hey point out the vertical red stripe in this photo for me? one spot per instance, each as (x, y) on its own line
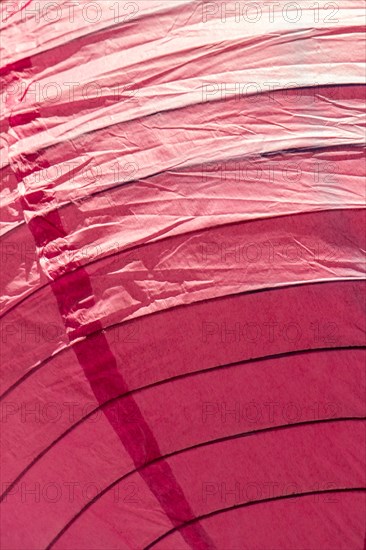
(100, 367)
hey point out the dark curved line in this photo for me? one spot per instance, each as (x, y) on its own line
(235, 158)
(19, 302)
(190, 448)
(161, 383)
(216, 100)
(71, 344)
(252, 503)
(20, 224)
(203, 230)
